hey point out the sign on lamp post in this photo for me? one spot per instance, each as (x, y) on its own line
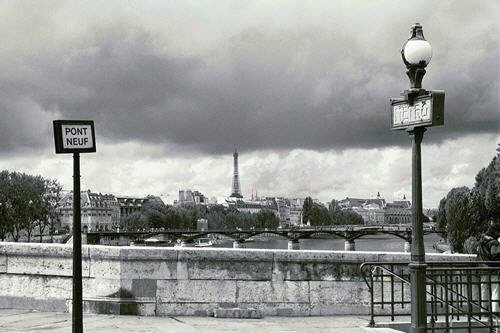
(75, 136)
(426, 110)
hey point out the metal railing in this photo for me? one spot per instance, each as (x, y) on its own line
(461, 296)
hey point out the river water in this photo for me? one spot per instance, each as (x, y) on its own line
(379, 242)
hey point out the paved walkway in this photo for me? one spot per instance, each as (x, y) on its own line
(32, 321)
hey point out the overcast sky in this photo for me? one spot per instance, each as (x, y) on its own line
(300, 88)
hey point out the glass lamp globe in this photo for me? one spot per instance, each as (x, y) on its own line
(417, 51)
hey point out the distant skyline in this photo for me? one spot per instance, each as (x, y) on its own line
(301, 89)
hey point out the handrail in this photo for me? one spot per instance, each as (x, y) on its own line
(469, 272)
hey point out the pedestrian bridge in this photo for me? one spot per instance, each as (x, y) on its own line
(240, 236)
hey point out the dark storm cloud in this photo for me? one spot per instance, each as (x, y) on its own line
(316, 87)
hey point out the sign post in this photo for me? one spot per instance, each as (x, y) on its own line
(75, 136)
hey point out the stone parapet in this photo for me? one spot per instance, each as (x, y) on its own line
(191, 281)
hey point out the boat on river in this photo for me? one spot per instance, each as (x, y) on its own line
(203, 242)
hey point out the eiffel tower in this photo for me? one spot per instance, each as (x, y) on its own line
(498, 164)
(236, 188)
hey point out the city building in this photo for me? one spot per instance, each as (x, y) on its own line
(296, 215)
(130, 205)
(99, 212)
(350, 203)
(398, 212)
(372, 213)
(109, 200)
(297, 202)
(253, 206)
(188, 197)
(378, 212)
(283, 207)
(289, 211)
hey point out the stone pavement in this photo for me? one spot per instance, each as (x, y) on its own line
(32, 321)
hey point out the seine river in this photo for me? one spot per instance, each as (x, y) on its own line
(381, 242)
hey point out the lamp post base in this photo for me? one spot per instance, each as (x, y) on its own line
(418, 298)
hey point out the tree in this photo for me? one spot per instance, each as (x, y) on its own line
(319, 215)
(135, 221)
(172, 218)
(441, 215)
(26, 202)
(457, 216)
(307, 209)
(267, 219)
(492, 201)
(231, 219)
(487, 186)
(339, 216)
(215, 217)
(6, 221)
(334, 211)
(154, 213)
(477, 213)
(22, 196)
(350, 217)
(46, 205)
(470, 245)
(466, 213)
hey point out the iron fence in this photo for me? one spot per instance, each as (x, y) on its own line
(461, 296)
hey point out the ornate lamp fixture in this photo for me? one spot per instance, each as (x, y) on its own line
(416, 54)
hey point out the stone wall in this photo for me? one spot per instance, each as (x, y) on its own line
(191, 281)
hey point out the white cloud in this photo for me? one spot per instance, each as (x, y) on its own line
(134, 168)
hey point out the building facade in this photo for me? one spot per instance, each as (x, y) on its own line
(99, 212)
(131, 205)
(295, 215)
(398, 212)
(283, 207)
(378, 212)
(371, 210)
(372, 214)
(188, 197)
(252, 207)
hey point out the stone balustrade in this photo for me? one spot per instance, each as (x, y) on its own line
(191, 281)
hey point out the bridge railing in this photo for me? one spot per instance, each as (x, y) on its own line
(460, 295)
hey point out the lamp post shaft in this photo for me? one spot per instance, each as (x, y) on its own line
(417, 263)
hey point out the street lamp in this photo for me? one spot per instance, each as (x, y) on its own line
(416, 54)
(416, 111)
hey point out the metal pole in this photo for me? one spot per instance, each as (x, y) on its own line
(77, 249)
(417, 263)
